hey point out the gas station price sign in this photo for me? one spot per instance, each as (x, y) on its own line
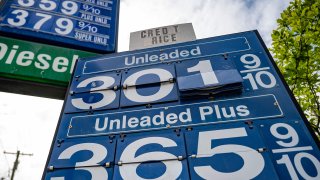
(215, 107)
(86, 24)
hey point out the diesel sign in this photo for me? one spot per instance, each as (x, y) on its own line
(29, 62)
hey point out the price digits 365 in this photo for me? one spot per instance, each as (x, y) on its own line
(253, 161)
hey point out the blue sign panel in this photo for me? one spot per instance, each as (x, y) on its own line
(214, 107)
(175, 116)
(293, 154)
(95, 82)
(233, 151)
(168, 54)
(149, 85)
(139, 156)
(86, 158)
(100, 91)
(217, 75)
(86, 24)
(84, 173)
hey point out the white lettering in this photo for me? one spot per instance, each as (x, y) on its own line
(3, 50)
(12, 54)
(185, 116)
(43, 61)
(242, 110)
(176, 54)
(60, 64)
(105, 124)
(204, 111)
(25, 58)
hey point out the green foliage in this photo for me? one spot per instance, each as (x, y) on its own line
(296, 48)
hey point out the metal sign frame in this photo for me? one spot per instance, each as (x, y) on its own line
(143, 150)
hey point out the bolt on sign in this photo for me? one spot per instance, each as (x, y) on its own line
(215, 107)
(89, 25)
(36, 63)
(162, 36)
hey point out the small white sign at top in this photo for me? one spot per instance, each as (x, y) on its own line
(161, 36)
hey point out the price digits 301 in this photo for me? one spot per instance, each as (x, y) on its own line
(204, 67)
(63, 25)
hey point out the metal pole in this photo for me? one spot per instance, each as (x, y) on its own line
(16, 162)
(15, 165)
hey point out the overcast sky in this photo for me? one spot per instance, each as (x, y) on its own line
(28, 123)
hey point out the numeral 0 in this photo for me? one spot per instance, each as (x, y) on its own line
(163, 91)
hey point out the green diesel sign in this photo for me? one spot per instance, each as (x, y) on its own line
(36, 62)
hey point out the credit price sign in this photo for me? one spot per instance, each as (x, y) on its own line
(85, 24)
(214, 107)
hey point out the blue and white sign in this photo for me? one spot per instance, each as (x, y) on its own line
(175, 116)
(151, 84)
(86, 158)
(214, 107)
(217, 75)
(86, 24)
(138, 156)
(233, 151)
(292, 151)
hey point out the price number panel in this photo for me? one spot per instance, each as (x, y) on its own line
(84, 158)
(94, 92)
(82, 21)
(151, 84)
(293, 154)
(208, 76)
(158, 155)
(228, 152)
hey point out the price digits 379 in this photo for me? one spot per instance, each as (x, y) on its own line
(63, 25)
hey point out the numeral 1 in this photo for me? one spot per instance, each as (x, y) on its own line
(207, 74)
